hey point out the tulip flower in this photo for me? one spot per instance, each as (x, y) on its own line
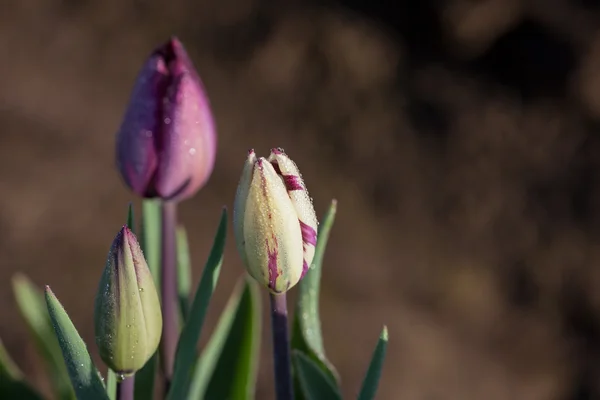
(127, 315)
(274, 220)
(166, 144)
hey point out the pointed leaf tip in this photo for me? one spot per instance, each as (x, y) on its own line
(32, 306)
(371, 381)
(85, 378)
(384, 334)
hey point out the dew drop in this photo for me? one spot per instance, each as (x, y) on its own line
(167, 120)
(192, 151)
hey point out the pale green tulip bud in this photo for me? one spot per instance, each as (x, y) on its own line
(274, 220)
(127, 315)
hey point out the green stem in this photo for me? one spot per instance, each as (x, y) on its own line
(170, 312)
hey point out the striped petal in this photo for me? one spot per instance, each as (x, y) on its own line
(239, 205)
(290, 176)
(272, 235)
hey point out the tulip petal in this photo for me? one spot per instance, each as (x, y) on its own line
(187, 144)
(239, 205)
(128, 320)
(273, 239)
(136, 154)
(290, 175)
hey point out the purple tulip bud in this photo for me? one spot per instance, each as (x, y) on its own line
(167, 142)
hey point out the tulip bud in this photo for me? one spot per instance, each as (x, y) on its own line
(166, 144)
(127, 315)
(274, 221)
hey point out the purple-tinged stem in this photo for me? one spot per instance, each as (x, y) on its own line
(170, 313)
(281, 347)
(125, 387)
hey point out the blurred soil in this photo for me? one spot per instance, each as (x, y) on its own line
(459, 137)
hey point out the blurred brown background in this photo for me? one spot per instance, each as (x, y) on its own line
(460, 138)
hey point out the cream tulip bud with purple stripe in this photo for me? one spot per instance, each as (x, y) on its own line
(274, 221)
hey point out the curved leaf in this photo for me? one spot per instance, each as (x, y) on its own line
(306, 331)
(315, 384)
(8, 368)
(33, 308)
(85, 378)
(227, 368)
(186, 348)
(12, 385)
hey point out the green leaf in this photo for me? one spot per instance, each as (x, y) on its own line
(150, 235)
(371, 382)
(186, 348)
(8, 368)
(111, 384)
(32, 306)
(131, 218)
(306, 330)
(315, 384)
(184, 272)
(144, 379)
(227, 368)
(16, 389)
(85, 378)
(12, 385)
